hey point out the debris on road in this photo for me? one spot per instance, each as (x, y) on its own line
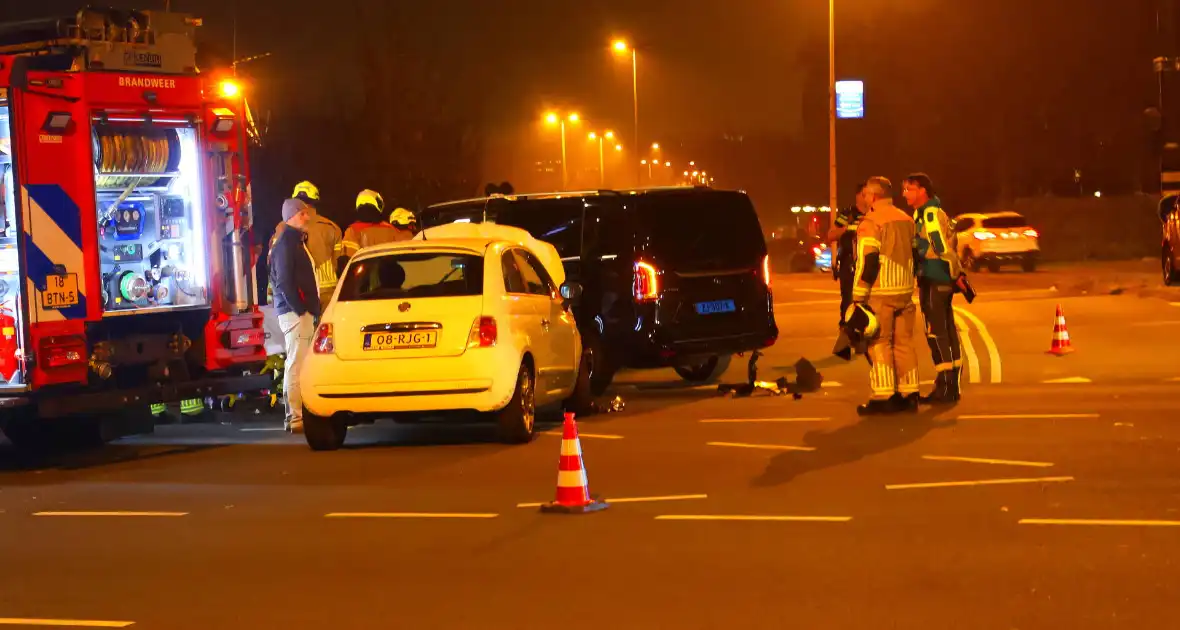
(807, 380)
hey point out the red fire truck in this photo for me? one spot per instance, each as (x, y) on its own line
(125, 226)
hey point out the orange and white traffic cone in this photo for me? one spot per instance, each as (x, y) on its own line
(1061, 345)
(573, 490)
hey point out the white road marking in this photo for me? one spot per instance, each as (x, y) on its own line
(1174, 303)
(993, 351)
(65, 623)
(831, 384)
(1170, 322)
(978, 482)
(408, 515)
(678, 497)
(1015, 292)
(740, 420)
(173, 514)
(823, 291)
(981, 460)
(768, 447)
(260, 429)
(752, 517)
(807, 303)
(1072, 380)
(598, 436)
(1093, 521)
(1029, 416)
(969, 350)
(1174, 379)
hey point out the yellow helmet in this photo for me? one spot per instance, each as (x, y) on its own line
(402, 217)
(370, 197)
(308, 191)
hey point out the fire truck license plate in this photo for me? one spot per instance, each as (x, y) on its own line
(61, 291)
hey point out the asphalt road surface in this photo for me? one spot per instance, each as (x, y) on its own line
(1049, 498)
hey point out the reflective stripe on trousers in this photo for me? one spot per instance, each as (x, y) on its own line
(941, 333)
(893, 352)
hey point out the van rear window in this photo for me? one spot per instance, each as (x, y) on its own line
(413, 275)
(701, 231)
(1002, 223)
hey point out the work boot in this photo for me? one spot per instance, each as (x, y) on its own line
(953, 384)
(907, 403)
(876, 408)
(941, 394)
(945, 391)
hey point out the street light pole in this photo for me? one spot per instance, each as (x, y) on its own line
(621, 47)
(832, 108)
(635, 98)
(564, 172)
(601, 165)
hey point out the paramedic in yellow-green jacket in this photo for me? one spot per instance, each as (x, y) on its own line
(938, 268)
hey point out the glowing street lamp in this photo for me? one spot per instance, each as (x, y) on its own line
(553, 119)
(595, 136)
(621, 47)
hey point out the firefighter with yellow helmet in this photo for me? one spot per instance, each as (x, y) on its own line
(370, 227)
(883, 301)
(324, 240)
(405, 223)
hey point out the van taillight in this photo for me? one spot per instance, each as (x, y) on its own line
(60, 352)
(766, 269)
(324, 342)
(646, 286)
(483, 333)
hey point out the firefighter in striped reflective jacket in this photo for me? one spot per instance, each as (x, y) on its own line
(885, 282)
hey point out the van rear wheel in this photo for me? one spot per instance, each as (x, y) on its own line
(1169, 268)
(602, 370)
(707, 371)
(581, 400)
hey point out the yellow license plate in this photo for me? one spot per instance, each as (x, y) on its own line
(401, 340)
(61, 291)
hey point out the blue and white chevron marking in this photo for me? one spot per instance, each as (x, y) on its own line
(53, 236)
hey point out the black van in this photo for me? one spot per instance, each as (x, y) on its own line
(673, 277)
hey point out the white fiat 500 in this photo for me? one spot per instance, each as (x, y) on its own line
(463, 326)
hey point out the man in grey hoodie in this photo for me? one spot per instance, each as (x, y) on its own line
(296, 301)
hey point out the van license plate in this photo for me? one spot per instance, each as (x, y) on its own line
(716, 306)
(401, 340)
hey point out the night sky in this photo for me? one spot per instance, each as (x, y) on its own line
(995, 98)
